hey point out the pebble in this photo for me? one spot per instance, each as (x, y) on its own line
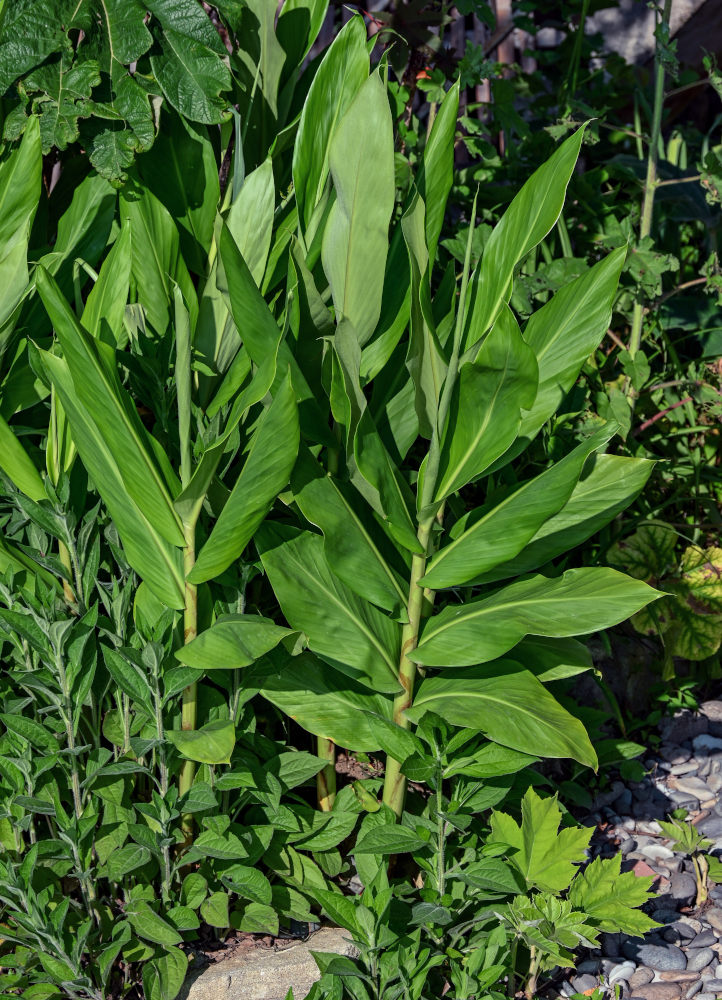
(706, 996)
(694, 988)
(641, 977)
(585, 982)
(694, 786)
(621, 973)
(714, 985)
(714, 919)
(714, 782)
(663, 958)
(699, 958)
(679, 976)
(687, 768)
(711, 827)
(657, 991)
(657, 852)
(703, 940)
(589, 965)
(712, 710)
(683, 887)
(706, 744)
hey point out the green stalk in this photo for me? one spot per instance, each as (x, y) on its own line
(650, 184)
(394, 781)
(326, 778)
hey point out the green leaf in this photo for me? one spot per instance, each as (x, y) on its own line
(67, 89)
(248, 883)
(552, 659)
(148, 925)
(193, 890)
(233, 641)
(127, 860)
(257, 918)
(157, 260)
(352, 551)
(610, 897)
(563, 334)
(129, 677)
(189, 64)
(581, 601)
(18, 466)
(525, 223)
(344, 68)
(34, 732)
(497, 532)
(104, 310)
(357, 638)
(214, 910)
(543, 854)
(323, 701)
(605, 489)
(486, 405)
(92, 368)
(211, 744)
(437, 168)
(356, 241)
(391, 839)
(250, 218)
(489, 875)
(509, 706)
(266, 471)
(163, 977)
(157, 562)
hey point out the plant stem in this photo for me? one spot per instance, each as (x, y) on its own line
(534, 963)
(441, 836)
(394, 780)
(190, 694)
(68, 591)
(700, 870)
(326, 778)
(650, 184)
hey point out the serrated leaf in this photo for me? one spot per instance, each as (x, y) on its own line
(610, 897)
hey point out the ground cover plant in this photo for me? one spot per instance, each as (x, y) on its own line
(275, 506)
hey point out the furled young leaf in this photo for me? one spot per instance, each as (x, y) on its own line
(543, 854)
(343, 69)
(437, 167)
(604, 491)
(354, 635)
(525, 223)
(610, 898)
(323, 700)
(233, 641)
(581, 601)
(157, 260)
(498, 532)
(157, 562)
(211, 744)
(356, 241)
(92, 367)
(508, 705)
(486, 405)
(265, 472)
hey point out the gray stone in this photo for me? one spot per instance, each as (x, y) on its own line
(693, 990)
(711, 827)
(663, 958)
(611, 945)
(699, 958)
(703, 940)
(621, 973)
(689, 767)
(683, 726)
(707, 744)
(627, 846)
(714, 782)
(684, 930)
(657, 852)
(714, 919)
(640, 977)
(683, 887)
(589, 965)
(712, 710)
(715, 985)
(694, 786)
(585, 982)
(263, 974)
(706, 996)
(657, 991)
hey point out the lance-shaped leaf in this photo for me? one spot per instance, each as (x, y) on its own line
(605, 490)
(581, 601)
(437, 167)
(552, 659)
(323, 700)
(509, 706)
(250, 218)
(211, 744)
(562, 334)
(233, 641)
(20, 186)
(525, 223)
(105, 306)
(486, 406)
(92, 367)
(354, 635)
(154, 559)
(266, 470)
(17, 464)
(499, 531)
(343, 69)
(356, 239)
(424, 358)
(352, 551)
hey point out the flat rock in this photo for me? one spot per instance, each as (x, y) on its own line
(640, 977)
(657, 991)
(707, 744)
(703, 940)
(712, 710)
(692, 786)
(585, 982)
(699, 958)
(621, 972)
(713, 986)
(683, 887)
(263, 974)
(714, 919)
(663, 958)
